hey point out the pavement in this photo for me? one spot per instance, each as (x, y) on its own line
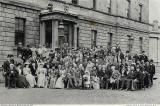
(61, 96)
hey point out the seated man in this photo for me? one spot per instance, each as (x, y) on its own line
(107, 77)
(115, 77)
(138, 78)
(13, 75)
(130, 77)
(123, 77)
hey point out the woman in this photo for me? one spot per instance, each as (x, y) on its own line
(95, 81)
(30, 78)
(53, 78)
(41, 72)
(21, 81)
(60, 83)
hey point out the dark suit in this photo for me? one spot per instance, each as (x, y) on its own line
(6, 68)
(136, 57)
(12, 79)
(144, 57)
(152, 72)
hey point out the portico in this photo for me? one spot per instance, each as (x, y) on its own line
(57, 29)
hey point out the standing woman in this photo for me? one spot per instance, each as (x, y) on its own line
(41, 72)
(30, 78)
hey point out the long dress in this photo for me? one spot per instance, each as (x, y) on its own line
(53, 79)
(60, 83)
(41, 77)
(96, 82)
(22, 81)
(30, 78)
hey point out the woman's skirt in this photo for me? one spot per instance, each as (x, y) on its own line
(31, 79)
(22, 82)
(59, 83)
(52, 83)
(41, 81)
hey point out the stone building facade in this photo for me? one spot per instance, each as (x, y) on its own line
(9, 11)
(154, 42)
(84, 22)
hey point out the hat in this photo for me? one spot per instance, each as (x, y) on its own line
(11, 64)
(41, 63)
(26, 63)
(86, 72)
(151, 60)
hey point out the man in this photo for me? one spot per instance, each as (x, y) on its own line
(115, 77)
(27, 53)
(136, 57)
(143, 57)
(130, 77)
(13, 75)
(107, 76)
(128, 56)
(151, 71)
(6, 69)
(138, 79)
(18, 60)
(117, 50)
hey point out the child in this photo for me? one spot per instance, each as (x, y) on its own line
(86, 78)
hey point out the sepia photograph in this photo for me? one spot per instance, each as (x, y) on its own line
(79, 52)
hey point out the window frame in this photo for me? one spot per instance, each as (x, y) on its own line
(128, 10)
(78, 37)
(110, 38)
(94, 38)
(94, 4)
(140, 12)
(130, 43)
(20, 34)
(77, 2)
(141, 44)
(109, 6)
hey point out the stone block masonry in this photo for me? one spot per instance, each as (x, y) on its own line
(8, 13)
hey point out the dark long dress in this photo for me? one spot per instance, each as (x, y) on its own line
(21, 81)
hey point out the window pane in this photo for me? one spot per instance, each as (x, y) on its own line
(108, 3)
(19, 31)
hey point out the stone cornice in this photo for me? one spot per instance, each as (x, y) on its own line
(21, 4)
(76, 5)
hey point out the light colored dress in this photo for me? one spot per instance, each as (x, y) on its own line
(87, 80)
(95, 83)
(59, 82)
(41, 77)
(29, 77)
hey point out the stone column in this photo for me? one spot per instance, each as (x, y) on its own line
(54, 34)
(75, 36)
(42, 33)
(70, 36)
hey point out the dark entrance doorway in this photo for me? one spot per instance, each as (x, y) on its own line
(48, 35)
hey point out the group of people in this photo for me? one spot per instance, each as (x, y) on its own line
(81, 68)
